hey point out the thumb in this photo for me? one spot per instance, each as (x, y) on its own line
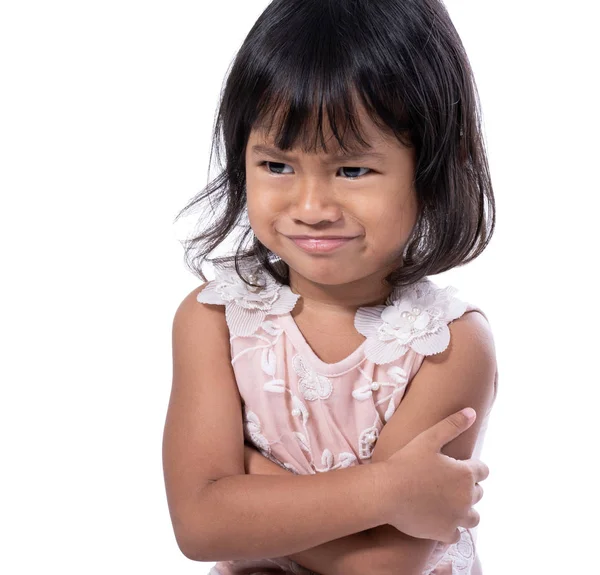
(451, 427)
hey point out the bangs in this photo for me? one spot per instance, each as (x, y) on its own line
(316, 69)
(302, 119)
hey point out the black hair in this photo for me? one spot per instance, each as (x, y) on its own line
(404, 61)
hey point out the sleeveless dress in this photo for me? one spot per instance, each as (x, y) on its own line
(309, 416)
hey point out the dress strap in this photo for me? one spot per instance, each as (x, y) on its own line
(247, 306)
(415, 317)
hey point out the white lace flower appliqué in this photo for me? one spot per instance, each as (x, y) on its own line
(366, 442)
(253, 431)
(417, 319)
(246, 306)
(311, 385)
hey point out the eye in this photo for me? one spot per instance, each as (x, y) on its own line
(275, 165)
(354, 176)
(350, 172)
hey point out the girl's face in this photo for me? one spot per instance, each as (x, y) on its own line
(369, 197)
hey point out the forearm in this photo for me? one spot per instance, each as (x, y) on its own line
(257, 516)
(343, 556)
(398, 552)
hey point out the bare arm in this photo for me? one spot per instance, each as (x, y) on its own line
(220, 513)
(257, 516)
(349, 555)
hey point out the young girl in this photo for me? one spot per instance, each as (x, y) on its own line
(354, 149)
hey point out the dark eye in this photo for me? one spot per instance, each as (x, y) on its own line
(274, 167)
(351, 172)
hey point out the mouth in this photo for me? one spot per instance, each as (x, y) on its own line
(321, 245)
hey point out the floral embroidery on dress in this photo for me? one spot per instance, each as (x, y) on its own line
(415, 318)
(312, 385)
(399, 381)
(366, 442)
(462, 553)
(253, 433)
(369, 436)
(253, 429)
(345, 458)
(460, 556)
(246, 306)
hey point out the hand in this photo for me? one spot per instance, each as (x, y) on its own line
(434, 493)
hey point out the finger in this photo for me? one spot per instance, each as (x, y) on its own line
(471, 520)
(451, 427)
(477, 494)
(482, 471)
(478, 468)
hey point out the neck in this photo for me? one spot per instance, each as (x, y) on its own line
(341, 298)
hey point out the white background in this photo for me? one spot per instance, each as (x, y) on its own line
(106, 110)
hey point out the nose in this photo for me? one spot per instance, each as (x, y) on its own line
(314, 202)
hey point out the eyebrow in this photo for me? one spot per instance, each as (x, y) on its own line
(277, 153)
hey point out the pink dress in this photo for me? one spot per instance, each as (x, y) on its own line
(312, 417)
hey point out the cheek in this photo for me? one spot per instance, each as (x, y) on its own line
(264, 201)
(254, 213)
(263, 208)
(260, 206)
(253, 198)
(395, 220)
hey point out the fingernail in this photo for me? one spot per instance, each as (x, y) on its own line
(469, 413)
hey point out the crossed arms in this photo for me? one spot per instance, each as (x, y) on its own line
(461, 376)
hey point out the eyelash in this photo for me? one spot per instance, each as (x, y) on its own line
(282, 164)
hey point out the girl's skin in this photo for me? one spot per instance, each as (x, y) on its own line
(340, 551)
(373, 198)
(297, 193)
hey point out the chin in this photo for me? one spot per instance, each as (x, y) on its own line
(325, 272)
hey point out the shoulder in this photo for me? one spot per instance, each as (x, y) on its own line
(470, 358)
(195, 321)
(471, 339)
(469, 350)
(190, 303)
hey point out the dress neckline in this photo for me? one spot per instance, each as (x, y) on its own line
(414, 317)
(297, 338)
